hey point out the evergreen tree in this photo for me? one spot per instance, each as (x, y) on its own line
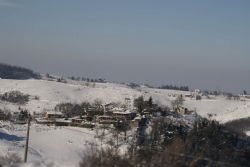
(139, 104)
(150, 102)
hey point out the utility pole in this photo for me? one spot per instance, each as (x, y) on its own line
(125, 135)
(117, 136)
(117, 133)
(27, 139)
(125, 129)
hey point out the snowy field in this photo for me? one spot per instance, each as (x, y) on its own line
(55, 146)
(65, 146)
(220, 108)
(51, 93)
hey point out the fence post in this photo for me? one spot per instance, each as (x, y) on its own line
(27, 140)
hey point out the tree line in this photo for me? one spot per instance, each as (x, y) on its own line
(15, 72)
(86, 79)
(174, 87)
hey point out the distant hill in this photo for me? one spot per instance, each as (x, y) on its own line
(15, 72)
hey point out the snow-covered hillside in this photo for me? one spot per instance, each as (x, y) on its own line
(62, 147)
(65, 146)
(51, 93)
(220, 108)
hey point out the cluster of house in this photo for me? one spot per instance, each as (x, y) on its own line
(112, 115)
(87, 121)
(191, 95)
(197, 93)
(244, 97)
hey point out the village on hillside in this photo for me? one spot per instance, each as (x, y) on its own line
(73, 115)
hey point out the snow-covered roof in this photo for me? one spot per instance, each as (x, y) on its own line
(117, 109)
(104, 116)
(62, 120)
(137, 118)
(54, 113)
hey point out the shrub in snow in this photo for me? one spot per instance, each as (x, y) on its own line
(5, 114)
(15, 97)
(198, 97)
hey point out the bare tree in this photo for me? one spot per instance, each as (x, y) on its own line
(177, 102)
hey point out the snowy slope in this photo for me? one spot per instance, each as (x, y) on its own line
(52, 93)
(222, 110)
(65, 146)
(62, 147)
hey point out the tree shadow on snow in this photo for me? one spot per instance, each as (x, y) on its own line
(4, 136)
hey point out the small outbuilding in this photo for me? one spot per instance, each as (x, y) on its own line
(53, 115)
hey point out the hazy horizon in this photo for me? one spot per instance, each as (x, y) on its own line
(204, 45)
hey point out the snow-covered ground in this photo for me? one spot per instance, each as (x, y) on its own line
(221, 109)
(65, 146)
(51, 93)
(58, 146)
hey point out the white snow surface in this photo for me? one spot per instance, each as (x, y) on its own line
(51, 93)
(65, 146)
(55, 146)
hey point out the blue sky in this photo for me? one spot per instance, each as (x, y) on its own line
(201, 43)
